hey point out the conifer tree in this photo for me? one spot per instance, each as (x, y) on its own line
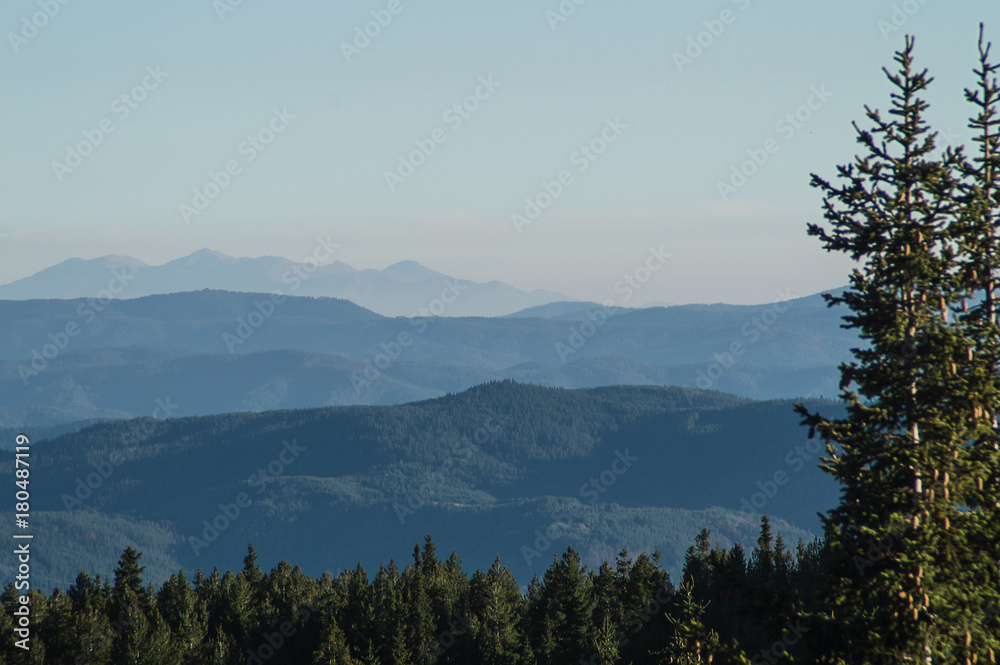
(646, 594)
(333, 649)
(979, 240)
(496, 606)
(185, 616)
(606, 643)
(358, 618)
(691, 641)
(386, 602)
(235, 610)
(569, 602)
(764, 558)
(539, 626)
(697, 571)
(608, 587)
(420, 637)
(128, 576)
(899, 539)
(251, 571)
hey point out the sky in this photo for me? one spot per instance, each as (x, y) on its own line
(542, 143)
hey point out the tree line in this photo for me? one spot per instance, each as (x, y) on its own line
(431, 611)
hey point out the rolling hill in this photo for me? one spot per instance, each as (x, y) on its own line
(500, 469)
(69, 360)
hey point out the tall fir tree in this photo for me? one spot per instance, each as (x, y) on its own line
(497, 609)
(186, 617)
(899, 541)
(691, 641)
(387, 605)
(979, 240)
(358, 618)
(570, 601)
(418, 619)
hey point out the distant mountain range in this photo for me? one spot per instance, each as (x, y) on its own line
(488, 472)
(402, 289)
(215, 351)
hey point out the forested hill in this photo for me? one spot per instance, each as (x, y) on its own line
(487, 471)
(212, 352)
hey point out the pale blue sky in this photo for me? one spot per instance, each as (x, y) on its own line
(324, 173)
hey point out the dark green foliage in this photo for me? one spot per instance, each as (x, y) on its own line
(913, 547)
(431, 612)
(482, 470)
(565, 633)
(497, 612)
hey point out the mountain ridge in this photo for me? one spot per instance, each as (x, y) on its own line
(69, 360)
(397, 290)
(483, 469)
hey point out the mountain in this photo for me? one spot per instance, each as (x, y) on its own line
(402, 289)
(575, 310)
(800, 332)
(130, 382)
(73, 278)
(69, 360)
(489, 471)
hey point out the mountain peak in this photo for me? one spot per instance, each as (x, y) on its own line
(115, 261)
(413, 270)
(206, 256)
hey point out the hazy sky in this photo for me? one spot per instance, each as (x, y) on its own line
(200, 78)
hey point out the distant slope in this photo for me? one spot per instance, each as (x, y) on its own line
(138, 381)
(804, 333)
(574, 310)
(402, 289)
(485, 471)
(69, 360)
(133, 381)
